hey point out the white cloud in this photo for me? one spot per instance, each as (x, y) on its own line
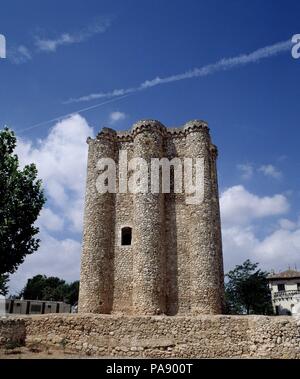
(223, 64)
(239, 243)
(282, 246)
(20, 54)
(50, 221)
(286, 224)
(241, 207)
(271, 171)
(51, 45)
(116, 116)
(55, 257)
(277, 250)
(246, 170)
(243, 239)
(61, 162)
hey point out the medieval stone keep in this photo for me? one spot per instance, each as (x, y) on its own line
(152, 253)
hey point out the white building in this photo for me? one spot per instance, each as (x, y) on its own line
(285, 290)
(2, 305)
(36, 307)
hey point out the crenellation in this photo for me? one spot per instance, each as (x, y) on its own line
(152, 125)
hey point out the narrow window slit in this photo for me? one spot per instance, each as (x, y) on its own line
(126, 236)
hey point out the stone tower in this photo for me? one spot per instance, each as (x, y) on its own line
(152, 253)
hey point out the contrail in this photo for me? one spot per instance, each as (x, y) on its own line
(221, 65)
(71, 114)
(51, 45)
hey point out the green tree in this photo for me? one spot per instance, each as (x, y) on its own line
(247, 290)
(42, 288)
(34, 288)
(3, 284)
(21, 200)
(73, 293)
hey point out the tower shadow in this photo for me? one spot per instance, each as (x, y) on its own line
(172, 298)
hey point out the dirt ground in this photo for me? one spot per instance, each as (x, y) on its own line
(38, 353)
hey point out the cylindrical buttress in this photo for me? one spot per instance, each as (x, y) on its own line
(96, 279)
(148, 231)
(206, 293)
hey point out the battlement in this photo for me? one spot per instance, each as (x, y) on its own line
(155, 127)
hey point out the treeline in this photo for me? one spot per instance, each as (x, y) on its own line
(246, 290)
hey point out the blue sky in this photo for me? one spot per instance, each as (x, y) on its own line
(57, 51)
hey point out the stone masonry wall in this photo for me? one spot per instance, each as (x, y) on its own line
(162, 336)
(12, 331)
(174, 265)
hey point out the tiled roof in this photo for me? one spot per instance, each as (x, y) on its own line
(288, 274)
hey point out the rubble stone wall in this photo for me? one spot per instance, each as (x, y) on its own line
(12, 332)
(161, 336)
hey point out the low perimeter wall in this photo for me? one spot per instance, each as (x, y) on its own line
(159, 336)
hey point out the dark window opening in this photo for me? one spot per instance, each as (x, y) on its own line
(126, 236)
(281, 287)
(36, 308)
